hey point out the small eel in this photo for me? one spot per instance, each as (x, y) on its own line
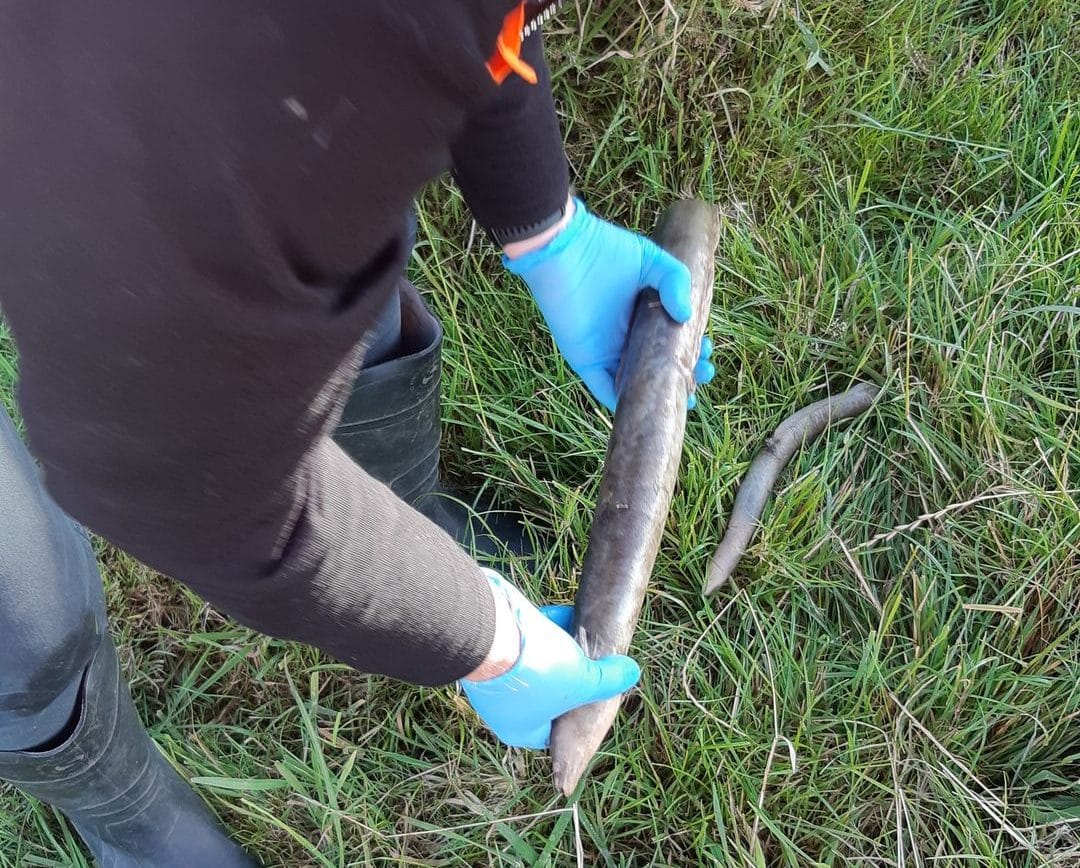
(654, 381)
(801, 427)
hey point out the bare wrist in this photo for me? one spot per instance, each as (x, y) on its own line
(516, 249)
(505, 647)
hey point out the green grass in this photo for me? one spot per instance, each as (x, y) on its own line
(902, 189)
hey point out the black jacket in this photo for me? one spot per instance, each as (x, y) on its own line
(201, 206)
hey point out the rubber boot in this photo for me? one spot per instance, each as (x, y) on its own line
(391, 426)
(114, 786)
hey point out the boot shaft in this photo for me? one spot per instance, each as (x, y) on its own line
(391, 422)
(109, 779)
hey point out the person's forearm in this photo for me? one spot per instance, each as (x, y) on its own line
(509, 160)
(363, 577)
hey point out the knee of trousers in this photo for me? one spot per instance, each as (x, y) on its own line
(52, 612)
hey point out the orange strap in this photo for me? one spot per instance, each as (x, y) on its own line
(507, 56)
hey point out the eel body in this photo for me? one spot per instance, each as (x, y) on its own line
(654, 381)
(799, 429)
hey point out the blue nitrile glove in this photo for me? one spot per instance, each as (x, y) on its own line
(585, 282)
(552, 675)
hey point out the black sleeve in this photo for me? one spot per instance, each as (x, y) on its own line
(509, 161)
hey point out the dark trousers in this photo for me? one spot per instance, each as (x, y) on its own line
(52, 609)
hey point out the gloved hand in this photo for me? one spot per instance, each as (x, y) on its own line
(552, 675)
(585, 282)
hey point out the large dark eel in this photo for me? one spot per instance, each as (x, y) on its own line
(654, 382)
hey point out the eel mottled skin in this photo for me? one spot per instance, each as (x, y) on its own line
(654, 382)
